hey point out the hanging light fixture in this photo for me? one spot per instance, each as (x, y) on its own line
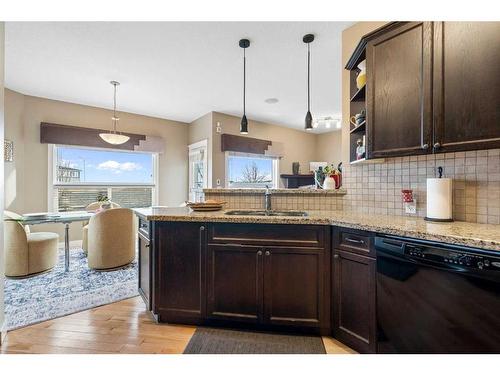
(244, 43)
(114, 137)
(308, 38)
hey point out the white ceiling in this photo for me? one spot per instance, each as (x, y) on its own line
(179, 70)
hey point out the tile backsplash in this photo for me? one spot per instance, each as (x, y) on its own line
(376, 188)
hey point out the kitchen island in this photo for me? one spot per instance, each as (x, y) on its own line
(313, 274)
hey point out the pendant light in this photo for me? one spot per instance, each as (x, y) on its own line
(244, 43)
(113, 137)
(308, 38)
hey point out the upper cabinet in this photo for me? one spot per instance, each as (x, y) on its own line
(398, 69)
(466, 88)
(431, 87)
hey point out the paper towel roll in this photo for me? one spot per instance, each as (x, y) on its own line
(439, 199)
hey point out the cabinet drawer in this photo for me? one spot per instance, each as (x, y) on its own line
(144, 227)
(355, 241)
(267, 234)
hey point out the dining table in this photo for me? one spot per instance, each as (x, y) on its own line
(65, 218)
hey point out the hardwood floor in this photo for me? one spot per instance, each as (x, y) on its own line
(121, 327)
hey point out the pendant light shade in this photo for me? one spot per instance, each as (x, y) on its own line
(114, 137)
(308, 38)
(244, 43)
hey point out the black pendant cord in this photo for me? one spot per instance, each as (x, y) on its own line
(244, 81)
(308, 78)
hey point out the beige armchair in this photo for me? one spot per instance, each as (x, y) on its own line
(27, 253)
(111, 239)
(85, 229)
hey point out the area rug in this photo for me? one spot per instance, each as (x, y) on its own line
(58, 293)
(227, 341)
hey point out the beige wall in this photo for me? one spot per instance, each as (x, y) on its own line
(1, 174)
(329, 147)
(297, 145)
(27, 183)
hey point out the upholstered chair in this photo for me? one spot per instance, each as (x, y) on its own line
(111, 239)
(85, 229)
(27, 253)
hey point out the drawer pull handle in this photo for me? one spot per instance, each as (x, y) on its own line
(354, 241)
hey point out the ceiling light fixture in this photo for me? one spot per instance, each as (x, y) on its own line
(308, 38)
(114, 137)
(244, 43)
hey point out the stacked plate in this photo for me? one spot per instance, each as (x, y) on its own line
(206, 206)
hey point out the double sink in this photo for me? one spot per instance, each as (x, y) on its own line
(266, 213)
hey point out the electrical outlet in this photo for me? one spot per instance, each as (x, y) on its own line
(411, 207)
(218, 127)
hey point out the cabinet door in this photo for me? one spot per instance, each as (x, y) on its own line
(354, 320)
(296, 287)
(466, 86)
(234, 283)
(399, 100)
(145, 273)
(181, 256)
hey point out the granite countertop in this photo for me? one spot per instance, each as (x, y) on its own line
(340, 191)
(485, 236)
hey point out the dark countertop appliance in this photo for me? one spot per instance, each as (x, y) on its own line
(436, 298)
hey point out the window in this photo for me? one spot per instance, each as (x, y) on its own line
(198, 170)
(251, 170)
(81, 176)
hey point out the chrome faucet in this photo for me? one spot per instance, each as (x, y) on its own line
(267, 195)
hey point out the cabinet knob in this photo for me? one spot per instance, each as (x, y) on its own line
(202, 228)
(336, 256)
(437, 145)
(268, 253)
(147, 245)
(425, 146)
(259, 253)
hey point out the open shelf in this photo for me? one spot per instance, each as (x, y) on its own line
(359, 95)
(359, 127)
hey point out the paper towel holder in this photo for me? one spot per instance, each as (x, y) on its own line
(440, 172)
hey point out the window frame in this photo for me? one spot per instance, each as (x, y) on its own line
(53, 184)
(274, 173)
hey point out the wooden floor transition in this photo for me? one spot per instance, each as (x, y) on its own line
(120, 327)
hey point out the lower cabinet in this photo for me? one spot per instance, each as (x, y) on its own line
(354, 299)
(234, 287)
(296, 287)
(273, 286)
(180, 274)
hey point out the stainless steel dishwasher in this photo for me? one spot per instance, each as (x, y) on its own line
(436, 298)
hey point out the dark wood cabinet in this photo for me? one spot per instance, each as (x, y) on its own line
(466, 86)
(431, 87)
(234, 283)
(180, 274)
(296, 287)
(271, 275)
(145, 273)
(399, 83)
(354, 298)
